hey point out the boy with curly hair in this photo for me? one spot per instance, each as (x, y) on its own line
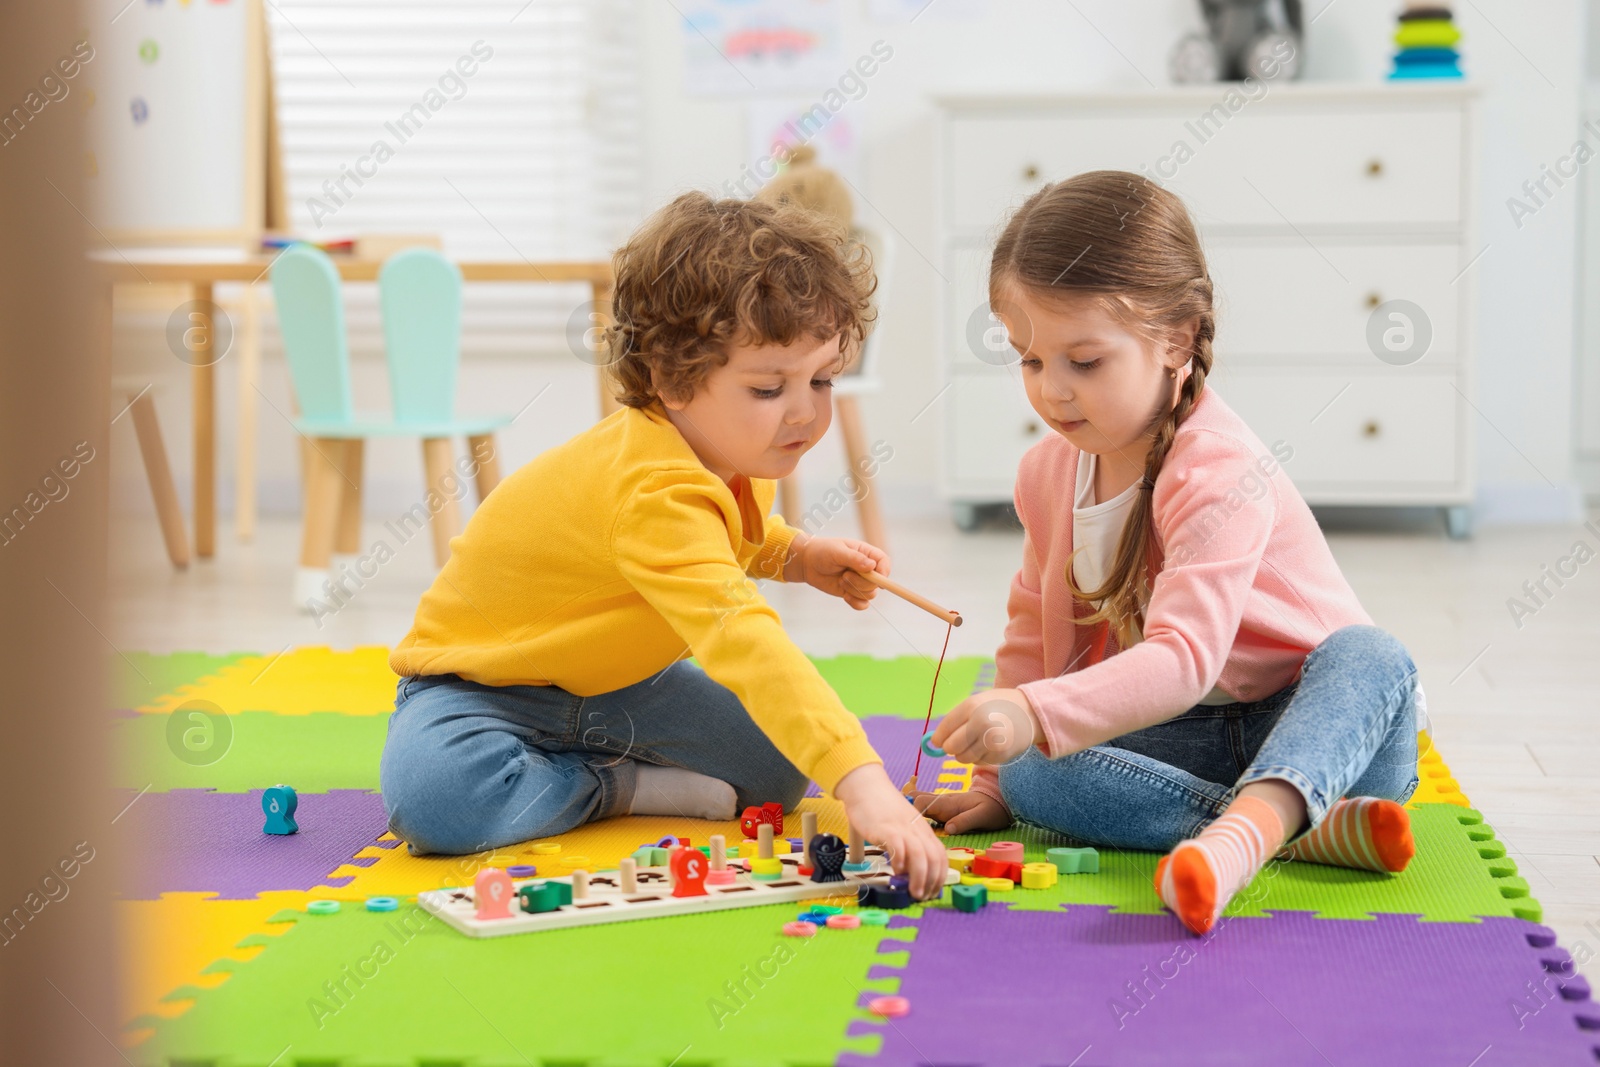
(544, 683)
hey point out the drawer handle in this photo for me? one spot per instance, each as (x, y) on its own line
(1031, 428)
(1030, 172)
(1375, 168)
(1370, 428)
(1373, 300)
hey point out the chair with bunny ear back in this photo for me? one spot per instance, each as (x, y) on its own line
(420, 293)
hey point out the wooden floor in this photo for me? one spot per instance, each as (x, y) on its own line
(1515, 708)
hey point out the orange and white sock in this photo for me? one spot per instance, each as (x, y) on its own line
(1198, 878)
(1364, 832)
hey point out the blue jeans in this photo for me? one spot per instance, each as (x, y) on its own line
(1346, 727)
(468, 767)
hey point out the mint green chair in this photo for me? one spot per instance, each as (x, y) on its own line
(420, 296)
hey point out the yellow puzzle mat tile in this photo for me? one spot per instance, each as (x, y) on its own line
(1436, 785)
(602, 844)
(297, 682)
(954, 777)
(176, 941)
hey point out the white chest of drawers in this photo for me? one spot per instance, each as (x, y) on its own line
(1316, 204)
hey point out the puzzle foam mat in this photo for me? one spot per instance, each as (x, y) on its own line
(224, 966)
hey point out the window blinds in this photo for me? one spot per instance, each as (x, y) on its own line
(510, 129)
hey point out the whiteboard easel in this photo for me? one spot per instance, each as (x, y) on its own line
(180, 122)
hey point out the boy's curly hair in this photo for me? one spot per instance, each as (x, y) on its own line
(701, 275)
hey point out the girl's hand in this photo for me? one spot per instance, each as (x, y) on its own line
(992, 728)
(834, 565)
(964, 813)
(880, 814)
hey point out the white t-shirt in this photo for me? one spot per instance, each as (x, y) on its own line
(1097, 528)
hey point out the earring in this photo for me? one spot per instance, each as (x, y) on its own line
(1172, 372)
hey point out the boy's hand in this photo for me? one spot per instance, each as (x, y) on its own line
(880, 814)
(833, 565)
(964, 813)
(993, 728)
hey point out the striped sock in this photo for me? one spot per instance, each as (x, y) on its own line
(1198, 878)
(1364, 832)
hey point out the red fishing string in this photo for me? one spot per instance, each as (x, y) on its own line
(949, 629)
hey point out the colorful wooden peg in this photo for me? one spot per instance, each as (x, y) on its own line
(493, 891)
(808, 830)
(688, 873)
(770, 814)
(1074, 860)
(278, 803)
(856, 860)
(1038, 875)
(969, 897)
(986, 866)
(883, 897)
(541, 896)
(1005, 851)
(827, 858)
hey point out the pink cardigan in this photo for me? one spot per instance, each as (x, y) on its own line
(1246, 588)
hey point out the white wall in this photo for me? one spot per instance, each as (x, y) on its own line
(1526, 56)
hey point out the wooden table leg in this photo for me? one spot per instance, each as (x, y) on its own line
(204, 379)
(248, 338)
(602, 310)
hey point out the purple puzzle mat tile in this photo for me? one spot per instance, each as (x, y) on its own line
(194, 840)
(1086, 987)
(898, 741)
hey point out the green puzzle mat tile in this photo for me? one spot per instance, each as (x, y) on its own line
(317, 752)
(402, 987)
(138, 678)
(334, 750)
(1459, 874)
(899, 687)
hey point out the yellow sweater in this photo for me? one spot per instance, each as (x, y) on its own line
(605, 560)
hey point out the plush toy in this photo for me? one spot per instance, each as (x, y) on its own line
(1245, 38)
(805, 183)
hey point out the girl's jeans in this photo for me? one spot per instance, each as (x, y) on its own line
(469, 767)
(1346, 727)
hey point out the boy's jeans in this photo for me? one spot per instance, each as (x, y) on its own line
(469, 767)
(1346, 727)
